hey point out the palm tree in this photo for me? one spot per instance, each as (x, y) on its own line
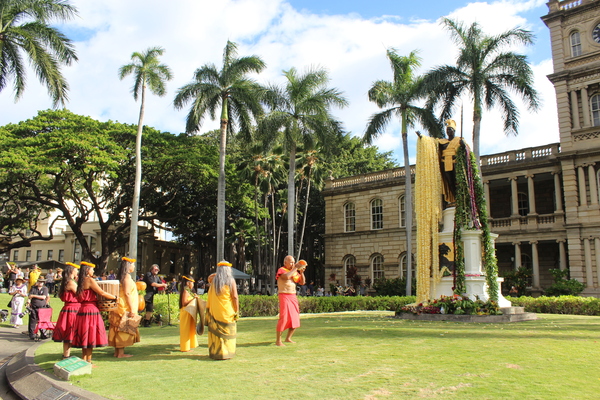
(487, 73)
(300, 115)
(149, 73)
(239, 100)
(401, 96)
(24, 28)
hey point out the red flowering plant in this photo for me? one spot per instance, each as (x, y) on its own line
(455, 304)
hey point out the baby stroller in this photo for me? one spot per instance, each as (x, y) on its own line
(44, 326)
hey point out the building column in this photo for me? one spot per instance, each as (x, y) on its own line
(562, 254)
(557, 193)
(531, 194)
(597, 251)
(535, 262)
(593, 185)
(514, 196)
(575, 110)
(585, 106)
(581, 184)
(486, 192)
(517, 255)
(587, 254)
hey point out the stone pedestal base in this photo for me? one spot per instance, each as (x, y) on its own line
(476, 287)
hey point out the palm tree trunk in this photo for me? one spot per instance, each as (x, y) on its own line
(221, 186)
(291, 200)
(304, 219)
(408, 205)
(476, 129)
(133, 231)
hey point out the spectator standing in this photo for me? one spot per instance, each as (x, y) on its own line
(50, 281)
(38, 298)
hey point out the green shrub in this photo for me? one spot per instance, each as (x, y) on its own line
(392, 287)
(573, 305)
(562, 285)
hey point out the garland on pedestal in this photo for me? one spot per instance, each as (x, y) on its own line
(471, 213)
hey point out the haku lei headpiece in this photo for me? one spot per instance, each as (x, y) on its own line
(88, 264)
(189, 279)
(131, 260)
(73, 265)
(224, 264)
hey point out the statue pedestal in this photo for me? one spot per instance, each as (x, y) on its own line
(474, 278)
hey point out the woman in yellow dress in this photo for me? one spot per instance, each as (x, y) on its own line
(187, 322)
(222, 313)
(127, 303)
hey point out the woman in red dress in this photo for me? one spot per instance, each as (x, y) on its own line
(66, 320)
(89, 330)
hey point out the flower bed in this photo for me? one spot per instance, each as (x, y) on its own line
(455, 304)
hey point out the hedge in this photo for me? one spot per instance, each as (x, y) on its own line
(574, 305)
(264, 306)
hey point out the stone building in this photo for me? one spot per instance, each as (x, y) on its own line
(543, 201)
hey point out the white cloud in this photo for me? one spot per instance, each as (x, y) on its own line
(194, 33)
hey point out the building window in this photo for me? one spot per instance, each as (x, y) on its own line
(523, 203)
(349, 264)
(38, 255)
(575, 44)
(28, 255)
(349, 217)
(377, 268)
(92, 244)
(61, 255)
(403, 261)
(77, 253)
(50, 254)
(16, 255)
(595, 105)
(402, 211)
(377, 214)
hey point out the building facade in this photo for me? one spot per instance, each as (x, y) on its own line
(543, 201)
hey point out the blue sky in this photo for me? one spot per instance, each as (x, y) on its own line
(347, 38)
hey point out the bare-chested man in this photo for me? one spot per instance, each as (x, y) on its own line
(289, 312)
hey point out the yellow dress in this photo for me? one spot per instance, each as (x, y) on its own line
(187, 331)
(117, 338)
(222, 328)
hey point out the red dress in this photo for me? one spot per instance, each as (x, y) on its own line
(89, 330)
(66, 320)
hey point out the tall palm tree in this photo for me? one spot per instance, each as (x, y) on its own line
(300, 115)
(402, 96)
(239, 99)
(150, 73)
(487, 72)
(24, 28)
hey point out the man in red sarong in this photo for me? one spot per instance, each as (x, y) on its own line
(289, 312)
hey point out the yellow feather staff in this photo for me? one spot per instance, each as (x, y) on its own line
(428, 209)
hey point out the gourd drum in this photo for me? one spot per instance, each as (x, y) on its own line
(110, 287)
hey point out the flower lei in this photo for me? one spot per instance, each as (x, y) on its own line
(471, 213)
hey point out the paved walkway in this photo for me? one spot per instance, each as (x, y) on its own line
(27, 380)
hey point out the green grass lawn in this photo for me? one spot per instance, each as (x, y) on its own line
(360, 355)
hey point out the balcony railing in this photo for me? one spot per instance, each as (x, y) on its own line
(519, 156)
(524, 223)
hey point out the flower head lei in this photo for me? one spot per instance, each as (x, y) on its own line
(131, 260)
(88, 264)
(189, 279)
(73, 265)
(224, 264)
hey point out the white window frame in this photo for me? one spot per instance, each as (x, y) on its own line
(402, 266)
(376, 206)
(377, 269)
(349, 217)
(349, 261)
(575, 41)
(595, 109)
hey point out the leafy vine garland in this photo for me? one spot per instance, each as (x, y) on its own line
(471, 213)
